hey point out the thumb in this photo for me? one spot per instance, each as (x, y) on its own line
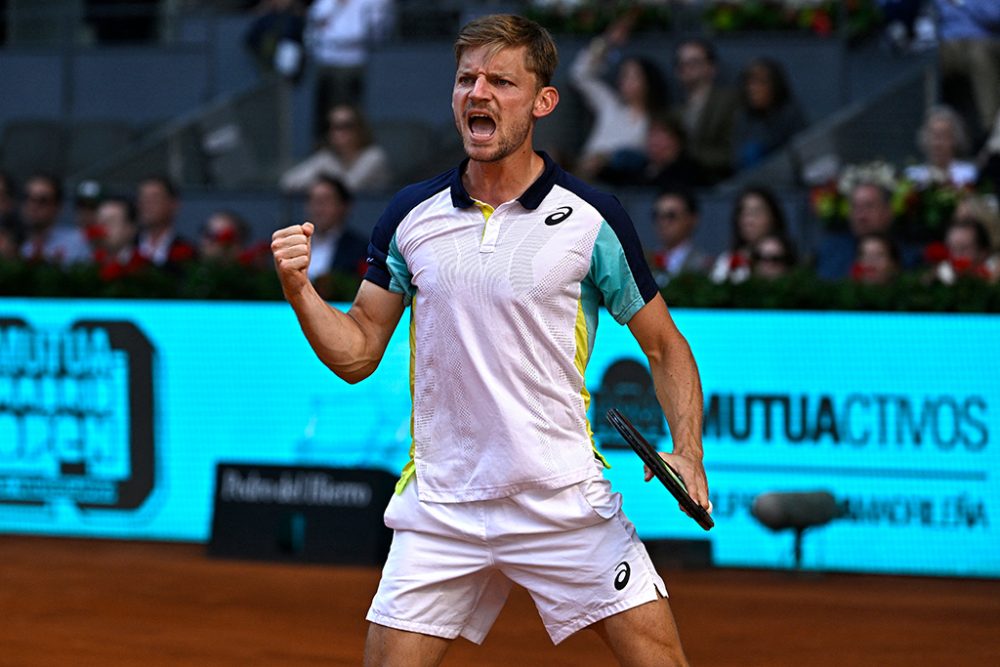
(308, 229)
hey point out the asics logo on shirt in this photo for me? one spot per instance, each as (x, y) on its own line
(561, 214)
(622, 573)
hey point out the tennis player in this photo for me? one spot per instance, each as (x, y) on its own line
(503, 262)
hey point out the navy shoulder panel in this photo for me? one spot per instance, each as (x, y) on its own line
(621, 224)
(398, 208)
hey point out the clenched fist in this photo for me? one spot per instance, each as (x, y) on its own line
(291, 248)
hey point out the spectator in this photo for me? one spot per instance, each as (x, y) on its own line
(756, 214)
(772, 256)
(350, 154)
(338, 34)
(117, 252)
(335, 248)
(159, 242)
(708, 109)
(617, 139)
(942, 140)
(869, 212)
(86, 200)
(668, 163)
(768, 115)
(675, 216)
(970, 253)
(223, 238)
(969, 58)
(275, 37)
(878, 260)
(44, 239)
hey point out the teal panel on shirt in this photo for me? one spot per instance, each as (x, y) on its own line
(611, 275)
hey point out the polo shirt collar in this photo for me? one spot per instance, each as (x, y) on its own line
(529, 199)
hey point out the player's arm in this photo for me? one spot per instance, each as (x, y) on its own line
(351, 344)
(678, 390)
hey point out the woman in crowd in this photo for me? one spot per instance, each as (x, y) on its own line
(621, 113)
(768, 115)
(350, 155)
(756, 214)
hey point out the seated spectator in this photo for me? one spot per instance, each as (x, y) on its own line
(116, 250)
(621, 114)
(675, 216)
(768, 114)
(157, 206)
(350, 155)
(772, 256)
(869, 212)
(335, 248)
(756, 214)
(86, 200)
(970, 253)
(668, 164)
(44, 239)
(878, 260)
(223, 237)
(707, 110)
(943, 142)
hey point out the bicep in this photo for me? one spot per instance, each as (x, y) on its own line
(376, 311)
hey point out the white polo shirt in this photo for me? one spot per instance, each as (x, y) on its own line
(503, 315)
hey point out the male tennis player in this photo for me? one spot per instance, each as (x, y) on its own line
(503, 262)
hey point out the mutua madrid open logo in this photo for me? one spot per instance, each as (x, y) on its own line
(76, 415)
(628, 386)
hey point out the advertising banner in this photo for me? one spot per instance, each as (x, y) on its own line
(115, 414)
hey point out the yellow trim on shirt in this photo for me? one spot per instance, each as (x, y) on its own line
(580, 359)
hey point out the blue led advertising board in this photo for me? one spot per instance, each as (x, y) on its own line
(114, 414)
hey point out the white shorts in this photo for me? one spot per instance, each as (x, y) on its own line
(452, 565)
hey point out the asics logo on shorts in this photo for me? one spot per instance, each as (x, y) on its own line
(622, 573)
(561, 214)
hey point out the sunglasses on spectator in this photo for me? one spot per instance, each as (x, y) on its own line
(40, 199)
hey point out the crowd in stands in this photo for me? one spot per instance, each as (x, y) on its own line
(874, 220)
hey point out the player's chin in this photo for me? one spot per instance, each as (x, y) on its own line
(480, 152)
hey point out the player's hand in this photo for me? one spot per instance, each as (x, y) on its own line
(292, 250)
(692, 472)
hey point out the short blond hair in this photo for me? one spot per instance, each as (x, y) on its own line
(501, 31)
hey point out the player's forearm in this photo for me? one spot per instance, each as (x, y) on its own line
(678, 390)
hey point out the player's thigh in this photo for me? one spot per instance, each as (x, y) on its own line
(643, 636)
(389, 647)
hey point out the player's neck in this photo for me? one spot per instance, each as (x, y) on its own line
(503, 180)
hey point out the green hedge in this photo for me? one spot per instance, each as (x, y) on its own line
(799, 291)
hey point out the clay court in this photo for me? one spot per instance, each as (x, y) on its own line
(97, 602)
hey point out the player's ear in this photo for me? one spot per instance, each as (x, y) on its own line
(545, 101)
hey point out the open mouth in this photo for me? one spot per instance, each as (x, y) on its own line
(481, 125)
